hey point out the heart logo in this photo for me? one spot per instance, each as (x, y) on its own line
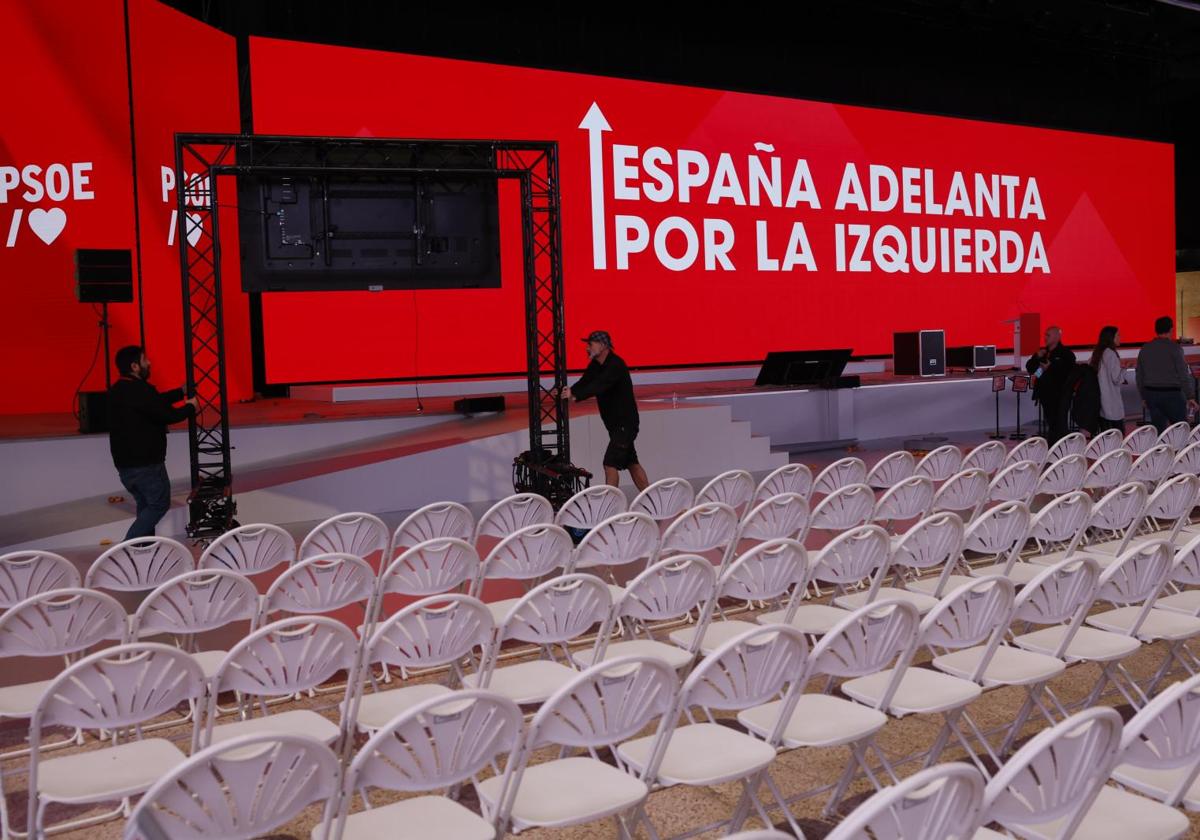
(47, 224)
(195, 228)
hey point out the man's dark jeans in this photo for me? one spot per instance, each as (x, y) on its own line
(151, 489)
(1166, 407)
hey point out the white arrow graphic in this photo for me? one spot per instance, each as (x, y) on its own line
(595, 124)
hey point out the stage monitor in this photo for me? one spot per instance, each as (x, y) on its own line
(802, 367)
(341, 232)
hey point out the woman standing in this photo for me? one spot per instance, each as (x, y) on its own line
(1107, 364)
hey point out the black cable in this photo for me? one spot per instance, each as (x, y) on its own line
(91, 367)
(416, 342)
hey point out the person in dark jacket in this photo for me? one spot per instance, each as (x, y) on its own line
(607, 379)
(1164, 380)
(1051, 367)
(138, 416)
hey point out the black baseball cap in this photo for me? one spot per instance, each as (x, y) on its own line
(601, 336)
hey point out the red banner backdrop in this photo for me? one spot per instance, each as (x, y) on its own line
(706, 226)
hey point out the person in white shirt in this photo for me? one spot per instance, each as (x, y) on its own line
(1111, 376)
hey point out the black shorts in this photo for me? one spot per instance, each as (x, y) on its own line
(620, 454)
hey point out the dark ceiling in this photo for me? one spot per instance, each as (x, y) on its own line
(1126, 67)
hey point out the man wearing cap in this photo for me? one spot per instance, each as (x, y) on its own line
(607, 379)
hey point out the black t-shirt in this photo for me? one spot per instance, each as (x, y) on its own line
(138, 416)
(612, 387)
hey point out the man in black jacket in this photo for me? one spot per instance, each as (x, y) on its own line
(607, 379)
(1051, 367)
(138, 416)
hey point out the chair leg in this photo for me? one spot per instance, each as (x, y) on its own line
(858, 758)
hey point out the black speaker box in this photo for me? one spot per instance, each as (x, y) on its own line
(972, 356)
(104, 275)
(93, 412)
(479, 405)
(920, 353)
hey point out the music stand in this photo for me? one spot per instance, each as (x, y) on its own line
(797, 368)
(1020, 384)
(997, 388)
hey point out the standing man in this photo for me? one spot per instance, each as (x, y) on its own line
(1163, 379)
(607, 379)
(1051, 367)
(138, 416)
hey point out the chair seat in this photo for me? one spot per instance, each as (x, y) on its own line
(675, 656)
(1020, 573)
(921, 691)
(1159, 783)
(417, 818)
(294, 722)
(717, 633)
(376, 709)
(1089, 644)
(1008, 666)
(1187, 601)
(988, 834)
(1159, 624)
(1118, 815)
(701, 754)
(814, 619)
(109, 773)
(819, 720)
(20, 700)
(927, 586)
(526, 682)
(1102, 553)
(499, 609)
(923, 603)
(566, 791)
(209, 660)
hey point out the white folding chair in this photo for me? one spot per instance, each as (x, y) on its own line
(839, 474)
(434, 746)
(249, 550)
(963, 493)
(116, 690)
(664, 500)
(138, 565)
(601, 707)
(1016, 482)
(591, 506)
(938, 803)
(891, 470)
(1166, 513)
(239, 789)
(733, 487)
(1056, 530)
(434, 632)
(1102, 444)
(1031, 449)
(708, 530)
(1187, 461)
(1153, 465)
(1194, 436)
(1062, 476)
(907, 499)
(745, 671)
(790, 478)
(624, 541)
(1140, 439)
(1175, 436)
(1114, 521)
(525, 555)
(1160, 747)
(510, 515)
(360, 534)
(440, 520)
(1108, 471)
(988, 456)
(941, 463)
(999, 532)
(429, 568)
(846, 507)
(783, 515)
(668, 591)
(324, 583)
(551, 615)
(31, 572)
(1183, 595)
(1070, 444)
(934, 542)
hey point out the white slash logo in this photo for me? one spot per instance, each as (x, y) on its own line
(595, 124)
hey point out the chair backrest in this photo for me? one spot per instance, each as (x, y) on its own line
(196, 602)
(138, 565)
(867, 640)
(1173, 500)
(249, 549)
(557, 611)
(320, 584)
(238, 789)
(437, 565)
(747, 670)
(1063, 476)
(1056, 775)
(1070, 444)
(844, 508)
(891, 469)
(987, 456)
(852, 556)
(765, 572)
(432, 632)
(1109, 470)
(434, 521)
(1031, 449)
(934, 541)
(790, 478)
(669, 589)
(782, 515)
(906, 499)
(1165, 735)
(285, 657)
(1140, 439)
(703, 528)
(840, 473)
(1107, 441)
(1187, 461)
(525, 554)
(1064, 520)
(970, 615)
(941, 463)
(621, 539)
(591, 506)
(942, 802)
(1176, 435)
(733, 487)
(964, 492)
(1137, 575)
(1152, 465)
(1016, 482)
(513, 513)
(999, 530)
(1059, 593)
(1120, 508)
(665, 499)
(61, 622)
(360, 534)
(25, 573)
(1186, 569)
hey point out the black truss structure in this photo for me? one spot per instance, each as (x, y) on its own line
(203, 160)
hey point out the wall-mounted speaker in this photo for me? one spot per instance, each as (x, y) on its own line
(104, 275)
